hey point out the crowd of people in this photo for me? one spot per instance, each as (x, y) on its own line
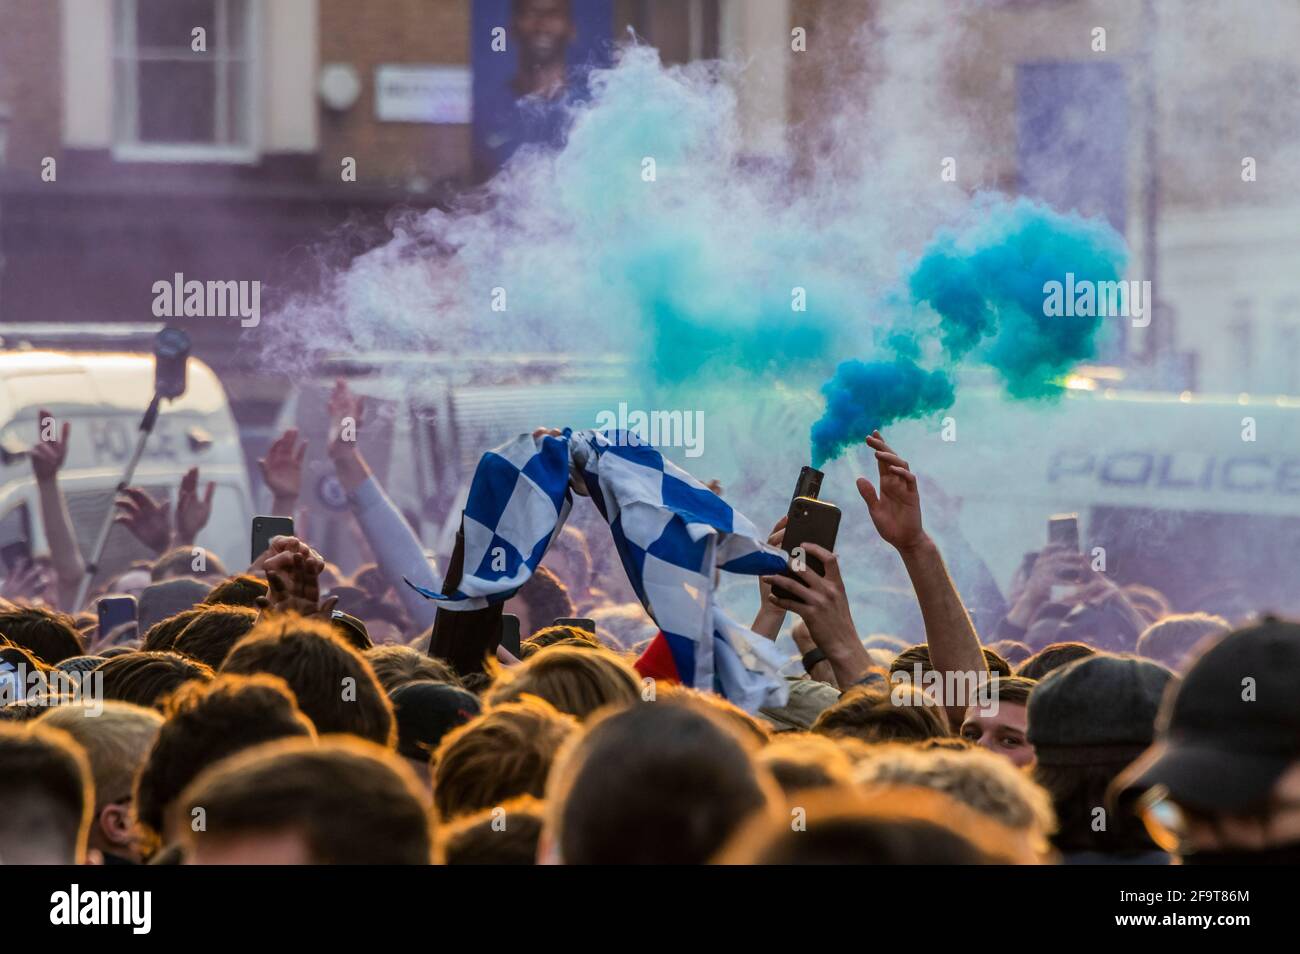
(292, 713)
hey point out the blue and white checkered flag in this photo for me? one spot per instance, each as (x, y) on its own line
(671, 532)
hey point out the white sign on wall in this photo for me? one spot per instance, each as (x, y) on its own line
(422, 94)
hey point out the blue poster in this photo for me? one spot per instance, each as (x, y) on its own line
(530, 60)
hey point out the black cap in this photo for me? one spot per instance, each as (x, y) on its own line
(1099, 710)
(426, 711)
(1233, 726)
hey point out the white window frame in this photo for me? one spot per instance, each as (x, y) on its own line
(124, 46)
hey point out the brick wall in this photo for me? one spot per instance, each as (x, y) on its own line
(31, 80)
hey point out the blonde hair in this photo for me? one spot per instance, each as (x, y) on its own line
(116, 741)
(988, 783)
(575, 681)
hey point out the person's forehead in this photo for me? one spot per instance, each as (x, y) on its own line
(1010, 714)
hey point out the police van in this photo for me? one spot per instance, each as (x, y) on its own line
(1197, 495)
(102, 392)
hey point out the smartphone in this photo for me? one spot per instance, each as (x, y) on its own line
(510, 633)
(266, 528)
(16, 556)
(577, 622)
(811, 521)
(809, 483)
(114, 611)
(1063, 530)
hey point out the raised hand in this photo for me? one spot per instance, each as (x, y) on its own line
(50, 451)
(282, 466)
(192, 511)
(293, 570)
(147, 519)
(822, 603)
(896, 507)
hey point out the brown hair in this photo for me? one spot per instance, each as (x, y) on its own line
(333, 683)
(46, 796)
(352, 801)
(506, 834)
(179, 561)
(802, 760)
(576, 681)
(873, 715)
(396, 665)
(205, 723)
(162, 634)
(238, 590)
(212, 634)
(654, 783)
(146, 678)
(507, 751)
(50, 636)
(1053, 657)
(556, 635)
(920, 653)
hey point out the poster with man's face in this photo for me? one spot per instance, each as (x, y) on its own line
(530, 61)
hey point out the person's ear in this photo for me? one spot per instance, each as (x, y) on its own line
(115, 824)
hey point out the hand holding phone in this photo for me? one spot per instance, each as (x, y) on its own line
(265, 529)
(810, 521)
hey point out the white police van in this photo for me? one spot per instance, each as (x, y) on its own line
(103, 394)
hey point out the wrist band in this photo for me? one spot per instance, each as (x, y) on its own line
(812, 657)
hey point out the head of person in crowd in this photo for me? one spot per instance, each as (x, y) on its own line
(1002, 726)
(1148, 601)
(46, 796)
(507, 751)
(1053, 656)
(162, 634)
(133, 580)
(332, 682)
(395, 666)
(385, 621)
(187, 562)
(979, 780)
(205, 723)
(48, 635)
(662, 782)
(239, 590)
(214, 632)
(505, 834)
(1174, 640)
(147, 678)
(576, 681)
(554, 635)
(799, 761)
(1221, 784)
(341, 800)
(116, 740)
(1012, 651)
(1087, 721)
(910, 658)
(1108, 625)
(540, 602)
(895, 826)
(168, 598)
(21, 674)
(623, 625)
(901, 713)
(425, 713)
(370, 578)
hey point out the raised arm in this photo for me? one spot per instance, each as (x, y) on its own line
(48, 455)
(895, 510)
(396, 547)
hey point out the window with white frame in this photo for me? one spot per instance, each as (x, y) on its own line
(179, 93)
